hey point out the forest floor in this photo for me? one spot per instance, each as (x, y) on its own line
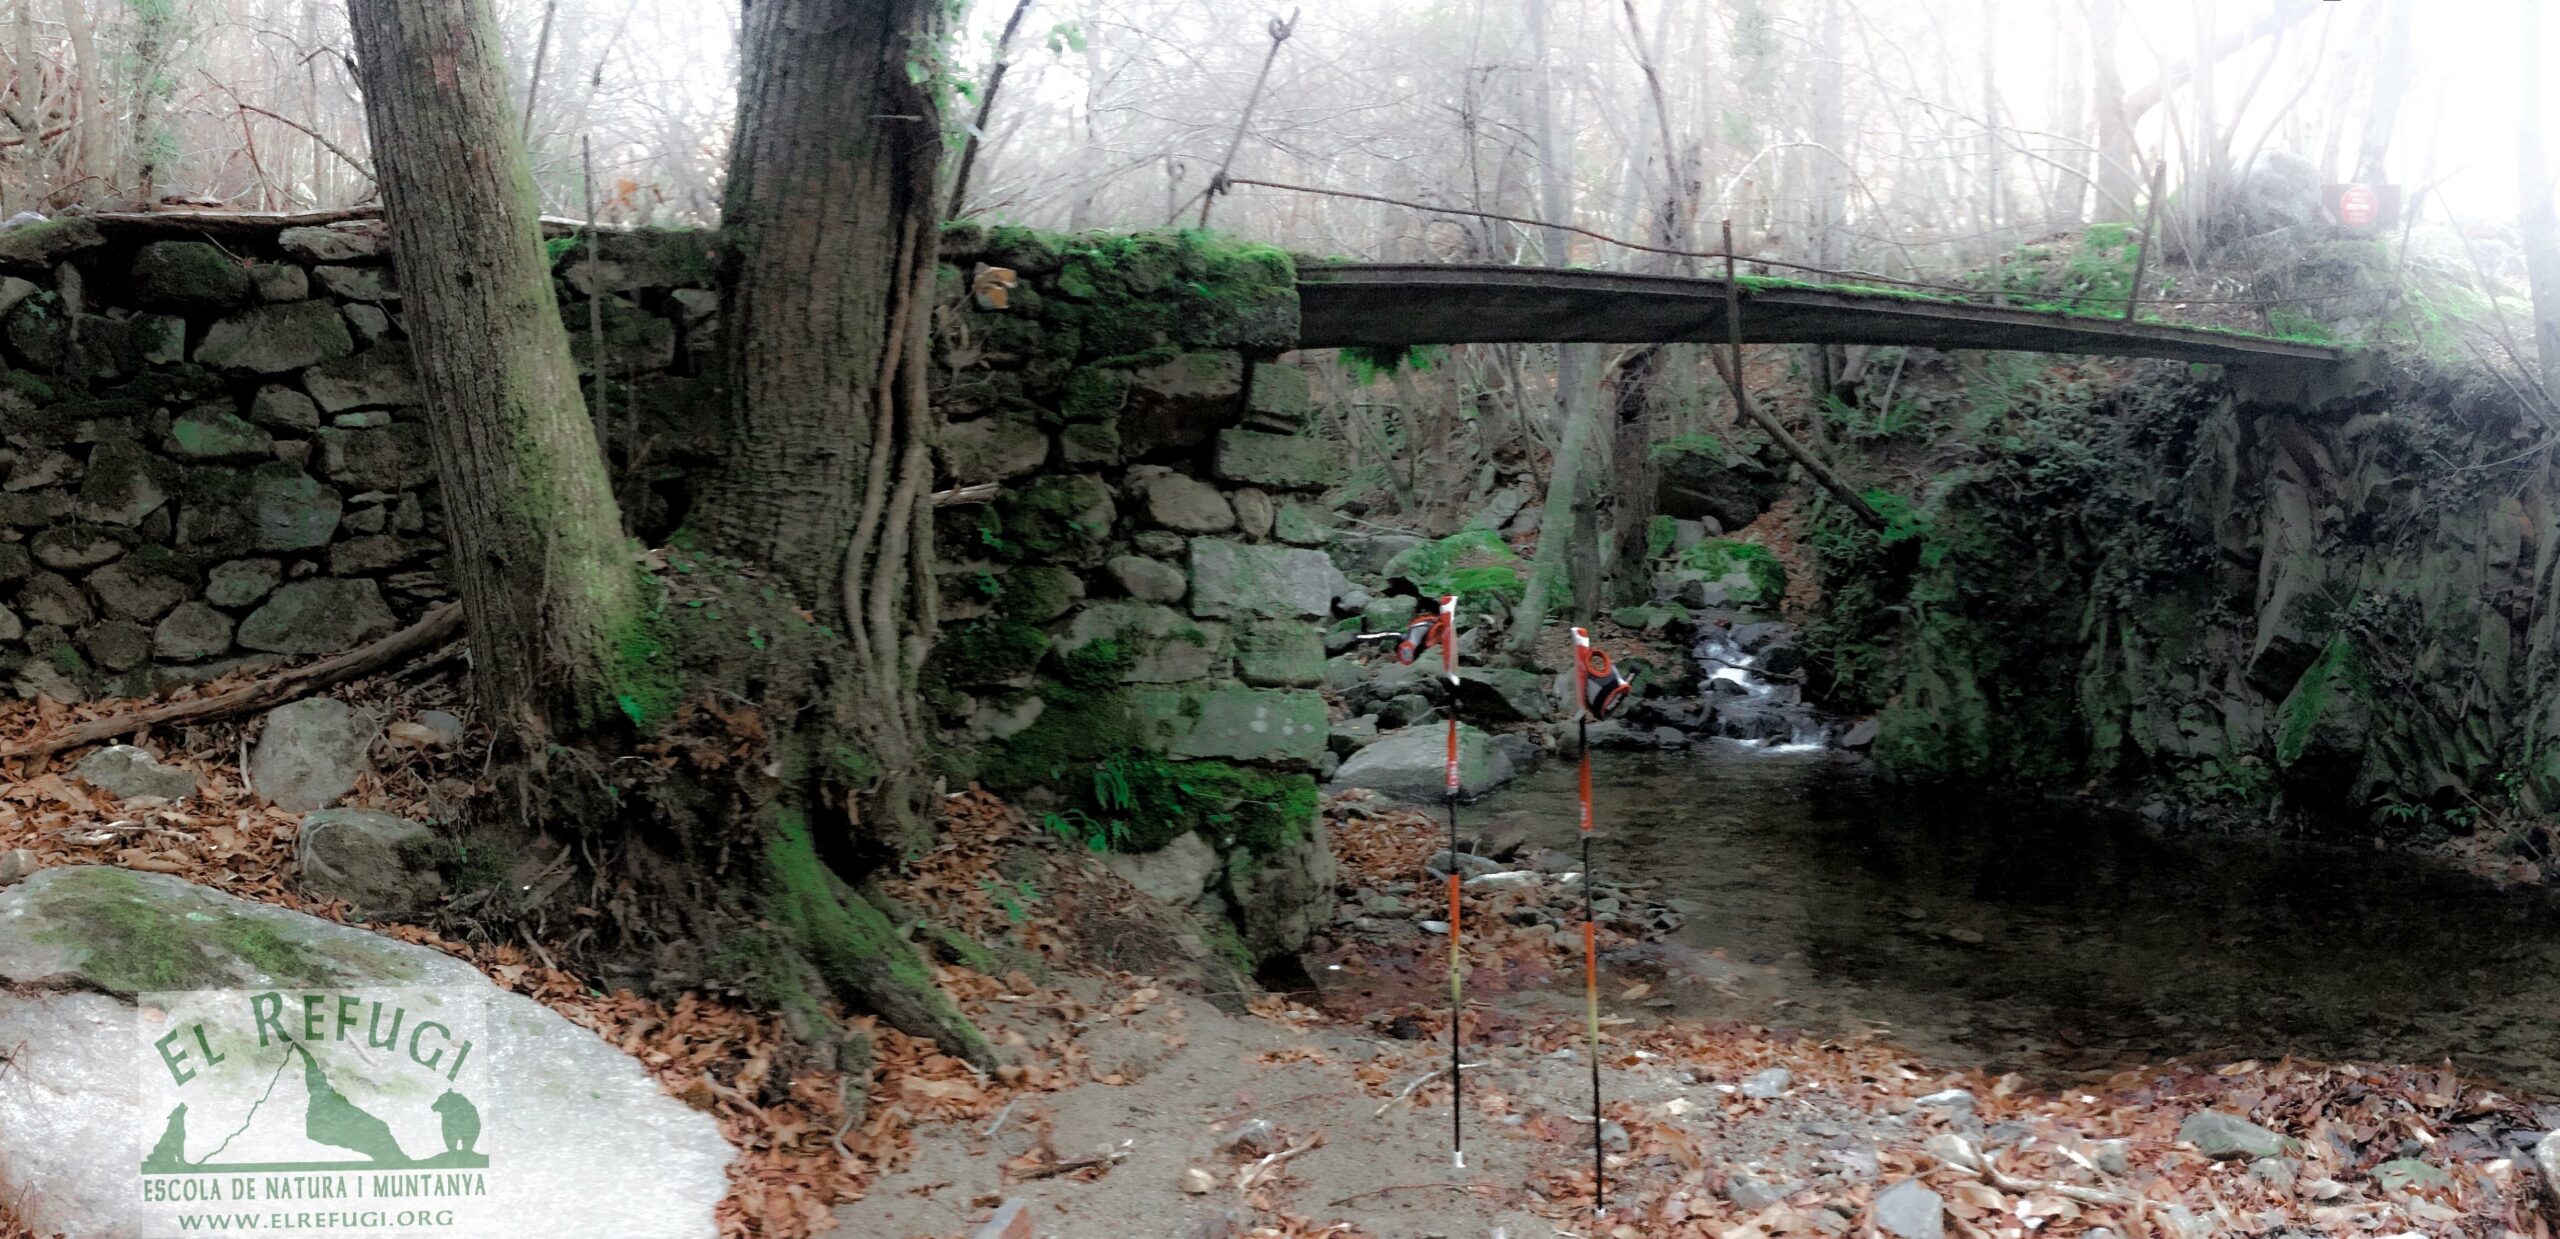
(1135, 1103)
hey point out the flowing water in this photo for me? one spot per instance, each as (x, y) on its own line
(2021, 936)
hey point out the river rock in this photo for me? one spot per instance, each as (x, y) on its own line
(380, 864)
(1176, 873)
(567, 1135)
(311, 753)
(1412, 764)
(2219, 1135)
(1911, 1211)
(129, 772)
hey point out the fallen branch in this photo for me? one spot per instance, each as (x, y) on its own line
(979, 492)
(440, 625)
(1252, 1175)
(1963, 1156)
(1074, 1164)
(1436, 1073)
(1468, 1188)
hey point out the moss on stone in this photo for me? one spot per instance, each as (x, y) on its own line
(138, 941)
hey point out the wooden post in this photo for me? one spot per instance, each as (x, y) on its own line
(2150, 221)
(1744, 409)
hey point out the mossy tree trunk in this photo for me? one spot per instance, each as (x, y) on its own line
(833, 228)
(798, 599)
(545, 573)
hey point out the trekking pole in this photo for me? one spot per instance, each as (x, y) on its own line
(1420, 635)
(1598, 688)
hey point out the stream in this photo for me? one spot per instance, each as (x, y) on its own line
(2059, 943)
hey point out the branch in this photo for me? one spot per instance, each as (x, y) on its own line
(333, 147)
(440, 625)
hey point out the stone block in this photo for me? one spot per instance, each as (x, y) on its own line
(1277, 398)
(1159, 644)
(1186, 504)
(1281, 462)
(1239, 581)
(319, 616)
(1269, 725)
(379, 377)
(187, 277)
(352, 244)
(273, 339)
(1280, 654)
(393, 457)
(994, 449)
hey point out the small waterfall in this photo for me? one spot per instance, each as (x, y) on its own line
(1742, 699)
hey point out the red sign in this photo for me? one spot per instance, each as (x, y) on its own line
(2362, 207)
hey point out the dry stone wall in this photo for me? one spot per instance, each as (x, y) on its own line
(212, 450)
(213, 454)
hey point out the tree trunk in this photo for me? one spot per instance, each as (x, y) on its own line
(832, 228)
(1567, 504)
(2540, 221)
(2390, 85)
(693, 854)
(546, 577)
(2119, 164)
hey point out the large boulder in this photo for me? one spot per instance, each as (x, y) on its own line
(380, 864)
(226, 1042)
(312, 752)
(1412, 764)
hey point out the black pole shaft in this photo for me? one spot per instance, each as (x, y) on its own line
(1599, 1162)
(1457, 1080)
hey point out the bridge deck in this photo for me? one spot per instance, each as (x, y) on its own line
(1398, 304)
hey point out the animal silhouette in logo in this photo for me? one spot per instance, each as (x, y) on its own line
(170, 1154)
(461, 1122)
(333, 1120)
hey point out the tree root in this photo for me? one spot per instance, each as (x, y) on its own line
(440, 625)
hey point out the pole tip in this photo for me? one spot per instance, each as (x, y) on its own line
(1457, 1159)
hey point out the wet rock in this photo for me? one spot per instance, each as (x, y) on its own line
(2219, 1135)
(1407, 710)
(380, 864)
(1351, 735)
(1504, 695)
(1911, 1211)
(128, 772)
(311, 753)
(1862, 734)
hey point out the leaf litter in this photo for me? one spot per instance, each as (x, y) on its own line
(2378, 1150)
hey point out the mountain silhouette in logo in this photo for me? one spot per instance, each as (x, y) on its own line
(328, 1118)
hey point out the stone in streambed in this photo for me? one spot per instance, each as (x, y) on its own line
(1412, 764)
